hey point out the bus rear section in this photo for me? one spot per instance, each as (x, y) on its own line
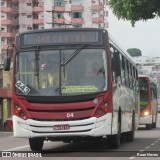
(148, 102)
(63, 88)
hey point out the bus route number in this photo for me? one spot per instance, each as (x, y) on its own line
(22, 87)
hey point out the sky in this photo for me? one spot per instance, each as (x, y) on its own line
(144, 36)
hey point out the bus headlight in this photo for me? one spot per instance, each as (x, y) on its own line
(19, 112)
(102, 110)
(146, 113)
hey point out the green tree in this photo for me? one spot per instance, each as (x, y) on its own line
(135, 10)
(134, 52)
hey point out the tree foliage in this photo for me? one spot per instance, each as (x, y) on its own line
(135, 10)
(134, 52)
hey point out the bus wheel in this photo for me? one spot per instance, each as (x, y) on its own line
(148, 126)
(154, 125)
(114, 140)
(36, 144)
(130, 134)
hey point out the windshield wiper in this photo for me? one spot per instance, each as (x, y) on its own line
(37, 65)
(73, 55)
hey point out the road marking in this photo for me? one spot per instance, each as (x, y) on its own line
(5, 132)
(132, 157)
(17, 148)
(142, 150)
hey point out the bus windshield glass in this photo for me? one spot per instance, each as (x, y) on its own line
(60, 72)
(144, 93)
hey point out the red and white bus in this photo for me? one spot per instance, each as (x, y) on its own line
(148, 101)
(71, 85)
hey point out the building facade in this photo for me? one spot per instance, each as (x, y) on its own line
(149, 66)
(21, 15)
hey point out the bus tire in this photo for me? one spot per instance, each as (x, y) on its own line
(114, 140)
(36, 144)
(154, 125)
(148, 126)
(130, 134)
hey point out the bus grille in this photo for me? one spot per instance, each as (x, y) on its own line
(61, 115)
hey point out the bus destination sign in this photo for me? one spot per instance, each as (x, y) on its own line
(61, 37)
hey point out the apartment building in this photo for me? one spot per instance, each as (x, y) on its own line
(22, 15)
(39, 14)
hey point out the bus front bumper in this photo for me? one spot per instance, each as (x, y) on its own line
(93, 127)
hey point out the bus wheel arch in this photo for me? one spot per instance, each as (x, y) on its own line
(130, 135)
(114, 140)
(154, 123)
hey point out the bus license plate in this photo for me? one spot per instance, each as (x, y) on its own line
(61, 127)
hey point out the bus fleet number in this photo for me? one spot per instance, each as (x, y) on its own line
(70, 115)
(22, 87)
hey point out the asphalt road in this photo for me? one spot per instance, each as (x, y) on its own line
(145, 146)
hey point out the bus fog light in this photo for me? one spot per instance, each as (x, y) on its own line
(21, 114)
(106, 104)
(16, 107)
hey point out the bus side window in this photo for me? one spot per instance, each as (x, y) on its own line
(121, 69)
(123, 72)
(113, 72)
(137, 83)
(134, 78)
(127, 72)
(154, 90)
(116, 68)
(130, 75)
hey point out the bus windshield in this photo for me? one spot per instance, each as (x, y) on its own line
(56, 72)
(144, 94)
